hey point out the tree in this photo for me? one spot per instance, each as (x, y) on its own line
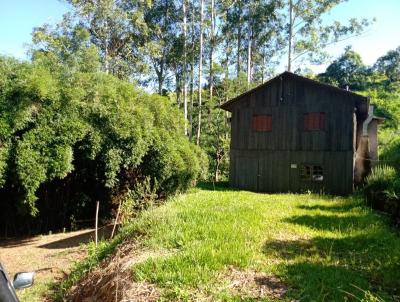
(264, 25)
(65, 43)
(116, 29)
(185, 101)
(348, 71)
(200, 73)
(163, 44)
(212, 42)
(389, 64)
(307, 35)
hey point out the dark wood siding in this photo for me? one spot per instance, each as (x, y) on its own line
(262, 160)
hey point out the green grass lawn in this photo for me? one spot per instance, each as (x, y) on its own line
(322, 248)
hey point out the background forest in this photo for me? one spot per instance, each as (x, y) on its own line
(123, 97)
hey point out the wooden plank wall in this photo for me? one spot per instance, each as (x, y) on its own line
(261, 160)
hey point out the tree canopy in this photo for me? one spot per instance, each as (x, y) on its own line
(347, 71)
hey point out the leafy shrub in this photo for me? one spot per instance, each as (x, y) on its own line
(65, 134)
(382, 190)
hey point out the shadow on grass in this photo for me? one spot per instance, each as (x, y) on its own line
(340, 269)
(77, 240)
(325, 269)
(216, 186)
(332, 222)
(340, 208)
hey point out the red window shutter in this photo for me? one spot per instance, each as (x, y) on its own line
(314, 121)
(261, 123)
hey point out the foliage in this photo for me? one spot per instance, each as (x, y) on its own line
(310, 35)
(379, 180)
(321, 248)
(116, 29)
(67, 44)
(389, 64)
(348, 71)
(57, 125)
(382, 190)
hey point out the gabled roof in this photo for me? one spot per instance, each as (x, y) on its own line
(295, 76)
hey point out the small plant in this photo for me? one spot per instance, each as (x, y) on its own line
(377, 183)
(382, 191)
(141, 197)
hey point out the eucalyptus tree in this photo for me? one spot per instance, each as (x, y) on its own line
(116, 31)
(163, 27)
(263, 30)
(255, 26)
(65, 43)
(307, 33)
(185, 78)
(200, 72)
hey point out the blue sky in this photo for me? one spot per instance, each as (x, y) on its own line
(19, 17)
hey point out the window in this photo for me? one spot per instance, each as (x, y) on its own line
(261, 123)
(311, 172)
(314, 121)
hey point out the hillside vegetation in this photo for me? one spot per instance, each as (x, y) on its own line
(228, 245)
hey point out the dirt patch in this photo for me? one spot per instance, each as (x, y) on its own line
(112, 279)
(50, 256)
(255, 285)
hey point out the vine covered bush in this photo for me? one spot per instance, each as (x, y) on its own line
(80, 136)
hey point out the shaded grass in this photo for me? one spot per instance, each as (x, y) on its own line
(323, 248)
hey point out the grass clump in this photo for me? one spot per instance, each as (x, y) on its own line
(382, 191)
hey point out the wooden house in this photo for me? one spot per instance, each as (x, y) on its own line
(293, 134)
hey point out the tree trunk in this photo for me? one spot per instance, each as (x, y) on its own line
(212, 42)
(290, 35)
(263, 68)
(106, 58)
(178, 87)
(200, 70)
(239, 39)
(249, 59)
(160, 83)
(185, 107)
(192, 74)
(160, 75)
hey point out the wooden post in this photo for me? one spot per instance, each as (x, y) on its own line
(97, 221)
(116, 220)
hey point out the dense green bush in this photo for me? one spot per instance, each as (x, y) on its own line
(382, 190)
(62, 132)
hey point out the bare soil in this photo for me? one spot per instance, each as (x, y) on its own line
(50, 256)
(255, 285)
(112, 279)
